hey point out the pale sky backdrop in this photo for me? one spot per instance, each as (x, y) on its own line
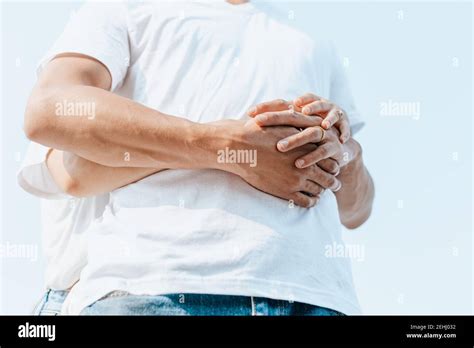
(416, 250)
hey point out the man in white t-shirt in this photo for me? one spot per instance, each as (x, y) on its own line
(228, 206)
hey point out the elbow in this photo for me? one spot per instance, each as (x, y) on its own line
(358, 215)
(33, 127)
(357, 220)
(69, 174)
(34, 130)
(37, 120)
(71, 187)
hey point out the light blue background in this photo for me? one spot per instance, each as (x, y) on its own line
(418, 242)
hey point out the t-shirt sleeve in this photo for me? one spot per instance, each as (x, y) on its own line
(98, 30)
(340, 92)
(34, 176)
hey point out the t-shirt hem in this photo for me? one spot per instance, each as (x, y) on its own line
(76, 303)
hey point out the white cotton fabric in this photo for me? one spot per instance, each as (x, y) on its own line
(64, 219)
(207, 231)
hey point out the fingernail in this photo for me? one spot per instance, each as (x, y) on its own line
(252, 111)
(325, 124)
(283, 144)
(260, 118)
(306, 110)
(299, 163)
(338, 187)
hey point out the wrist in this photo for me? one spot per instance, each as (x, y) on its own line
(352, 151)
(353, 157)
(208, 140)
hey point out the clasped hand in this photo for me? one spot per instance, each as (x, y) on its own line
(309, 134)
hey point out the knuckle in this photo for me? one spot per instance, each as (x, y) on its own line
(315, 132)
(295, 184)
(323, 151)
(309, 108)
(310, 172)
(331, 182)
(296, 198)
(273, 115)
(318, 106)
(300, 182)
(316, 174)
(316, 120)
(333, 167)
(318, 190)
(324, 180)
(291, 113)
(306, 202)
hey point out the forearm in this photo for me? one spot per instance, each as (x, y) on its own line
(122, 133)
(355, 198)
(79, 177)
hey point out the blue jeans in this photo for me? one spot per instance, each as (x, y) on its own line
(200, 305)
(51, 303)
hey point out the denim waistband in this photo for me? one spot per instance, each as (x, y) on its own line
(51, 302)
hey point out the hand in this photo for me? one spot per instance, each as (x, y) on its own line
(275, 172)
(328, 142)
(311, 104)
(329, 147)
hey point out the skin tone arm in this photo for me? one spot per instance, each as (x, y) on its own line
(123, 133)
(153, 140)
(79, 177)
(356, 194)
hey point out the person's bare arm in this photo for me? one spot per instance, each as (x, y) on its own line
(122, 133)
(79, 177)
(356, 195)
(123, 138)
(354, 188)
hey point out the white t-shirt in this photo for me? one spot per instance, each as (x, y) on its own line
(64, 219)
(208, 231)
